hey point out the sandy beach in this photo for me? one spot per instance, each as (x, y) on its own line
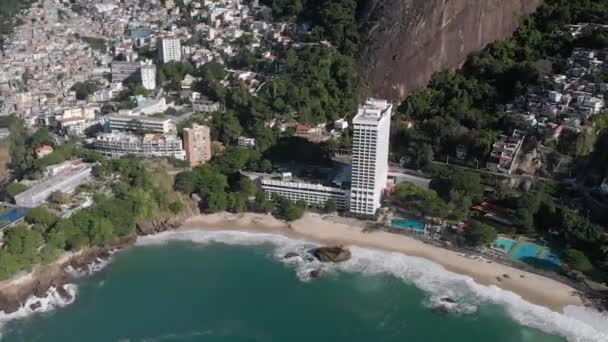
(335, 230)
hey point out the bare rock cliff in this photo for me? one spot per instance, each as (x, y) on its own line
(406, 41)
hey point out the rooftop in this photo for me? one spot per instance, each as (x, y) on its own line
(138, 118)
(373, 110)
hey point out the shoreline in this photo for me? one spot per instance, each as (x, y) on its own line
(531, 287)
(37, 284)
(327, 230)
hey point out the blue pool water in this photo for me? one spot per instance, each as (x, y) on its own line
(529, 252)
(525, 250)
(13, 215)
(505, 244)
(401, 223)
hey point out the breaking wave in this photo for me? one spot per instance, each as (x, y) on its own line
(33, 304)
(93, 267)
(53, 298)
(576, 324)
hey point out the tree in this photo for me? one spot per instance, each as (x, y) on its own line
(57, 236)
(426, 202)
(100, 232)
(185, 182)
(49, 253)
(288, 210)
(237, 203)
(466, 183)
(59, 198)
(9, 264)
(266, 166)
(228, 127)
(174, 72)
(177, 207)
(216, 202)
(247, 187)
(23, 243)
(479, 234)
(330, 206)
(262, 204)
(577, 260)
(264, 137)
(40, 216)
(84, 89)
(41, 137)
(15, 188)
(293, 212)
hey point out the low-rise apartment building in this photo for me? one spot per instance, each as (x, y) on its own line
(505, 151)
(140, 123)
(117, 145)
(312, 194)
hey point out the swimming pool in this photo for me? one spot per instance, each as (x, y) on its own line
(12, 216)
(505, 244)
(401, 223)
(529, 252)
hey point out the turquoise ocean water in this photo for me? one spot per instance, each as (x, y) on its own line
(243, 291)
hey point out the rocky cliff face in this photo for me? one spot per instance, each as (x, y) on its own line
(406, 41)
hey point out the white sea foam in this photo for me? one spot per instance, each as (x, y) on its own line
(33, 304)
(93, 267)
(53, 300)
(576, 324)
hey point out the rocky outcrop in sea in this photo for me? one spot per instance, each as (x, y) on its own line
(332, 254)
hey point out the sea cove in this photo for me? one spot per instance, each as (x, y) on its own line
(222, 292)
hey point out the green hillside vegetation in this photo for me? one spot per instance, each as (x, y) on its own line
(314, 83)
(464, 108)
(139, 191)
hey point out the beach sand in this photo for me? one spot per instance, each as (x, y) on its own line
(335, 230)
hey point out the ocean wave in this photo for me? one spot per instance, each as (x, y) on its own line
(52, 300)
(91, 268)
(576, 324)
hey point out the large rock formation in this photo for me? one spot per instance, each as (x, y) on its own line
(406, 41)
(332, 254)
(14, 295)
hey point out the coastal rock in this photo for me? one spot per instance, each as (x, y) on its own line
(8, 304)
(448, 300)
(291, 255)
(12, 298)
(445, 305)
(159, 225)
(35, 306)
(317, 274)
(332, 254)
(63, 293)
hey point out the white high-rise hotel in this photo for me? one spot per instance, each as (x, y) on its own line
(170, 50)
(371, 133)
(371, 127)
(148, 76)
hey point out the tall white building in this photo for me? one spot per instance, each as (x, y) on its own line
(148, 76)
(371, 133)
(170, 50)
